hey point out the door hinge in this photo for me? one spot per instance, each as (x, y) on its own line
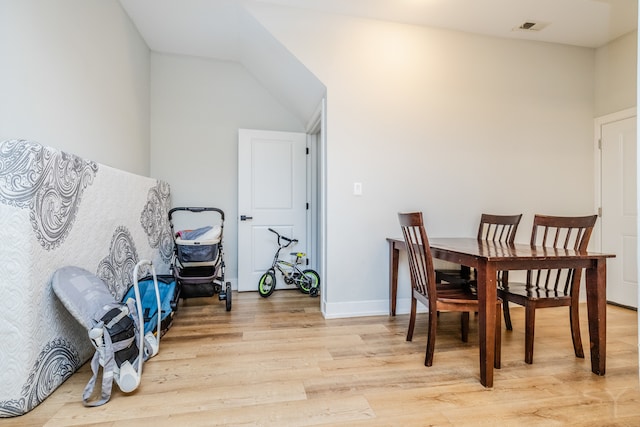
(307, 206)
(600, 212)
(307, 151)
(600, 144)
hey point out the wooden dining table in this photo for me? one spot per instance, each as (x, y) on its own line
(490, 257)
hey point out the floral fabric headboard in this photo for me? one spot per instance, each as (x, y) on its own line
(57, 209)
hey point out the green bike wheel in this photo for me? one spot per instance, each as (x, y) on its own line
(309, 280)
(267, 284)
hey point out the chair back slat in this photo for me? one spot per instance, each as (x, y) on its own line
(419, 255)
(498, 228)
(566, 233)
(558, 280)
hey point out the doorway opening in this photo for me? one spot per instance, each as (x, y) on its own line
(281, 187)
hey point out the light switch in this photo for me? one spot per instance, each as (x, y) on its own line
(357, 189)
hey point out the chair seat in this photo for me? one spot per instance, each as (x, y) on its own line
(457, 295)
(532, 292)
(460, 297)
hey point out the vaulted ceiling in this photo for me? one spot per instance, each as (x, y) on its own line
(224, 30)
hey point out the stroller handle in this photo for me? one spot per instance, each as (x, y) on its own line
(197, 209)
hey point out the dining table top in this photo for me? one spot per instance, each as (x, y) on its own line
(500, 251)
(496, 250)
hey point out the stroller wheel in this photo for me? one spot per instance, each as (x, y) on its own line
(228, 297)
(267, 284)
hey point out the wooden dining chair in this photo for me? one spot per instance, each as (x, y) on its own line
(552, 287)
(424, 287)
(493, 228)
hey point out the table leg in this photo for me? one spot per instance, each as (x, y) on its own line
(487, 320)
(596, 284)
(394, 254)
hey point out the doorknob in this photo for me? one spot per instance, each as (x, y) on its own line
(244, 217)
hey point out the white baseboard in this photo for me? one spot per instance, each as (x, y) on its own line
(366, 308)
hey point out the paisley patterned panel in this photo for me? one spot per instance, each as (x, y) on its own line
(56, 362)
(155, 221)
(116, 269)
(48, 182)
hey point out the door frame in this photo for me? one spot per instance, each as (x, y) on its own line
(316, 130)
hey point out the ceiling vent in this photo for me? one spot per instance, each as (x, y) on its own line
(530, 26)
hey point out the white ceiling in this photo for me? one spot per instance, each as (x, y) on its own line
(589, 23)
(225, 30)
(213, 28)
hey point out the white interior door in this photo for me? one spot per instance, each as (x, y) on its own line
(619, 209)
(272, 174)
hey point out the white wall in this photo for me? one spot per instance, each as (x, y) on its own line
(448, 123)
(616, 73)
(74, 75)
(197, 107)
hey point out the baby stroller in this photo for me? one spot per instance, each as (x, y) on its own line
(198, 259)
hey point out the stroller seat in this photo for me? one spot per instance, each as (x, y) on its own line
(196, 248)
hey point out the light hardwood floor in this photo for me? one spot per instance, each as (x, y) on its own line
(278, 362)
